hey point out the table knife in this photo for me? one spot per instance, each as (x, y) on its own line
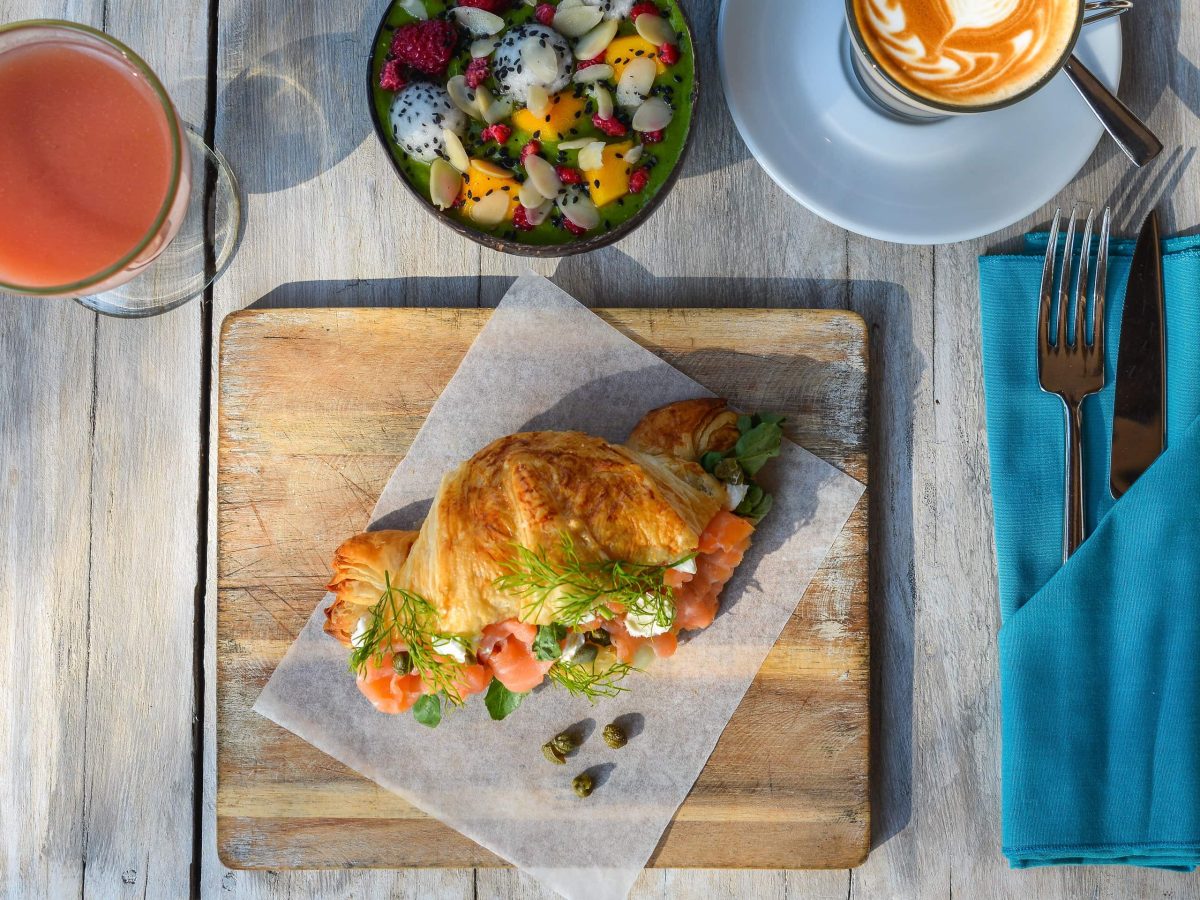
(1139, 411)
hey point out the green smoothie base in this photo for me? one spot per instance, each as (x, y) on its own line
(661, 158)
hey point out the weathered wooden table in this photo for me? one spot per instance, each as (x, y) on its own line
(106, 621)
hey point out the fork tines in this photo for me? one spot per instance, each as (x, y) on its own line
(1072, 272)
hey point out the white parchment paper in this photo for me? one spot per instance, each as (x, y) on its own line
(544, 362)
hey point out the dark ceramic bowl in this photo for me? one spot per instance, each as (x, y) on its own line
(517, 248)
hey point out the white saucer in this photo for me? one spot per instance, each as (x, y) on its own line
(785, 67)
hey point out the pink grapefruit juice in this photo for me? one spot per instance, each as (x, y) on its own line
(87, 160)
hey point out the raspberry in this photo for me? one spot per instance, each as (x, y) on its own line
(521, 219)
(492, 6)
(498, 133)
(643, 8)
(544, 13)
(586, 63)
(391, 76)
(531, 149)
(567, 175)
(572, 227)
(638, 180)
(477, 72)
(652, 137)
(612, 126)
(425, 46)
(669, 54)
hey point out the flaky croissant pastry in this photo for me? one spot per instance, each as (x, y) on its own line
(547, 545)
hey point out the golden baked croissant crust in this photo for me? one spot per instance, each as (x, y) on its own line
(554, 556)
(647, 502)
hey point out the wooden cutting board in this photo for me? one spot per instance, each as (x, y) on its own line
(316, 409)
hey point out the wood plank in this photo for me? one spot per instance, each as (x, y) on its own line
(327, 223)
(101, 552)
(301, 468)
(44, 580)
(145, 460)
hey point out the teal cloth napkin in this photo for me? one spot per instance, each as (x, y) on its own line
(1100, 658)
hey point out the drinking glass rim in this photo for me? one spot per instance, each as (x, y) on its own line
(175, 127)
(921, 100)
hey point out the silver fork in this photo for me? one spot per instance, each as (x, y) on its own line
(1073, 369)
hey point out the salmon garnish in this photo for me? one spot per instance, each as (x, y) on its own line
(506, 649)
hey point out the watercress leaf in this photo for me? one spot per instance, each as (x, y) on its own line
(745, 423)
(758, 445)
(771, 418)
(545, 645)
(750, 502)
(428, 710)
(761, 509)
(500, 701)
(710, 460)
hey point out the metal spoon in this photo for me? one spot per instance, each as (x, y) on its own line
(1131, 134)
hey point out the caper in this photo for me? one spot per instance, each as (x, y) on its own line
(582, 785)
(564, 742)
(586, 655)
(402, 663)
(614, 736)
(600, 637)
(729, 471)
(553, 754)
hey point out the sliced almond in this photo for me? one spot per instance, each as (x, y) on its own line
(492, 209)
(540, 59)
(576, 21)
(483, 96)
(565, 4)
(538, 215)
(490, 169)
(415, 8)
(655, 29)
(455, 150)
(635, 154)
(591, 157)
(530, 197)
(653, 115)
(445, 183)
(576, 144)
(597, 40)
(600, 72)
(463, 97)
(484, 47)
(636, 82)
(545, 180)
(539, 100)
(579, 208)
(498, 111)
(479, 22)
(604, 101)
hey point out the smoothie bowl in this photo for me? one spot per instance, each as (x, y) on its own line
(540, 129)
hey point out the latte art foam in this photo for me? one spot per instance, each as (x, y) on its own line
(967, 52)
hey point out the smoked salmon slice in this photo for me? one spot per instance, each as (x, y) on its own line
(506, 650)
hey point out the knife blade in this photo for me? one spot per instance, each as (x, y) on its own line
(1139, 411)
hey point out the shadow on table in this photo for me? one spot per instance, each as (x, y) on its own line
(896, 371)
(299, 108)
(1161, 84)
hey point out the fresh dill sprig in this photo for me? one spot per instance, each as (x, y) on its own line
(402, 617)
(584, 681)
(581, 590)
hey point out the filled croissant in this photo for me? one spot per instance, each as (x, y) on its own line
(554, 556)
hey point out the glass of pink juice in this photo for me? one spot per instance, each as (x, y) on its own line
(96, 172)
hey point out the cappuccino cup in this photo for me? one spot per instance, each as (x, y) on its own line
(928, 59)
